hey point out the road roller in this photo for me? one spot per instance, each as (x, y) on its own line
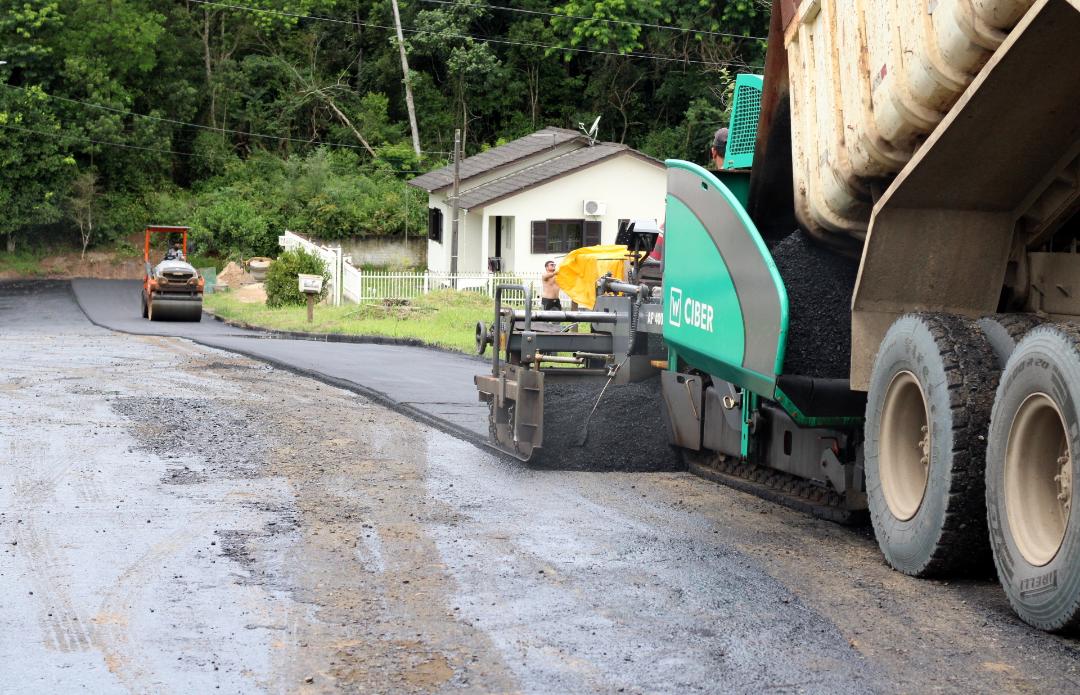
(172, 289)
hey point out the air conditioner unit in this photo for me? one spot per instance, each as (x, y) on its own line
(595, 208)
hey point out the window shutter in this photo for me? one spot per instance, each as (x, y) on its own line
(435, 224)
(539, 236)
(592, 233)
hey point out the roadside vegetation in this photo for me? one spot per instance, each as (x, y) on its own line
(23, 262)
(282, 288)
(445, 319)
(243, 119)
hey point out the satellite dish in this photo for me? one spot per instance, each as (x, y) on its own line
(591, 132)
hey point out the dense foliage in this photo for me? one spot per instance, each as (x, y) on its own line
(246, 117)
(282, 283)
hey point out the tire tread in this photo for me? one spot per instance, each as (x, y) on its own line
(967, 354)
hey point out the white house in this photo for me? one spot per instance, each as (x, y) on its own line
(539, 197)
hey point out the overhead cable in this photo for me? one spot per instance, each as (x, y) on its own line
(528, 44)
(67, 136)
(645, 25)
(102, 107)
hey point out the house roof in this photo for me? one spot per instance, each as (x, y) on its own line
(520, 180)
(495, 158)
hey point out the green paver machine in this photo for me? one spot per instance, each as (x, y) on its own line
(725, 326)
(934, 158)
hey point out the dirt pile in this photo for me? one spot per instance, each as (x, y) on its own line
(251, 294)
(819, 287)
(235, 276)
(628, 431)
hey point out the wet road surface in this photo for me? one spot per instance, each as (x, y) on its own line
(175, 518)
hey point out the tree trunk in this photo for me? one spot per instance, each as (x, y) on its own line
(408, 81)
(89, 225)
(11, 242)
(533, 73)
(345, 119)
(207, 63)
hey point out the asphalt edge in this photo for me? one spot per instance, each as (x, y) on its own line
(371, 394)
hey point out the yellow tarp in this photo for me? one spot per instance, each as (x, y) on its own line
(579, 271)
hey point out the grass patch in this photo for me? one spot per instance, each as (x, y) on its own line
(24, 262)
(446, 318)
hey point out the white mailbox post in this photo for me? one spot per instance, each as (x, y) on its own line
(311, 287)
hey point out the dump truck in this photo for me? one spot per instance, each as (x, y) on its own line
(172, 289)
(886, 319)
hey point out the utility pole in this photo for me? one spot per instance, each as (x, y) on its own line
(408, 81)
(454, 205)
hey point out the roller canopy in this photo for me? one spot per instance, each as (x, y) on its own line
(726, 309)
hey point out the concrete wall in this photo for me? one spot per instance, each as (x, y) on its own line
(392, 253)
(438, 253)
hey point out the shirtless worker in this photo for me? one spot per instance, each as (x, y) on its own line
(550, 293)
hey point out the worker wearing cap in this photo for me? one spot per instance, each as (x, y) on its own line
(719, 148)
(175, 253)
(549, 294)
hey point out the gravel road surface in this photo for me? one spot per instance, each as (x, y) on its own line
(177, 518)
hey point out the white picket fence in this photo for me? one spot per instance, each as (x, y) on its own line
(349, 283)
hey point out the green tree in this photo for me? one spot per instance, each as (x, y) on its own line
(34, 166)
(282, 281)
(81, 202)
(470, 66)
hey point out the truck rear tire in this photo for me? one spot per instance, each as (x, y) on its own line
(1031, 473)
(1004, 331)
(927, 413)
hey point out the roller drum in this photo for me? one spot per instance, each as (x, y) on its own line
(175, 309)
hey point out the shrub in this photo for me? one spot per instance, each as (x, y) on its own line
(281, 282)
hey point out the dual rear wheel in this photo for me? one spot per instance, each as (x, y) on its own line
(1032, 445)
(956, 447)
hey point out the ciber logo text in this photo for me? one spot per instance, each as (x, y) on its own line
(689, 311)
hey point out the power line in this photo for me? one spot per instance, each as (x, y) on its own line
(64, 136)
(528, 44)
(197, 125)
(645, 25)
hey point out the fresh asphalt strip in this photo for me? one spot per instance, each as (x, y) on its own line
(429, 385)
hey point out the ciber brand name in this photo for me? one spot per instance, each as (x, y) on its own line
(689, 311)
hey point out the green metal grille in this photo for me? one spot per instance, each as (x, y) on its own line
(742, 131)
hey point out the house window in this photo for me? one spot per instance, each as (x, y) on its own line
(434, 224)
(563, 236)
(558, 237)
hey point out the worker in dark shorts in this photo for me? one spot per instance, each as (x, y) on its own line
(549, 295)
